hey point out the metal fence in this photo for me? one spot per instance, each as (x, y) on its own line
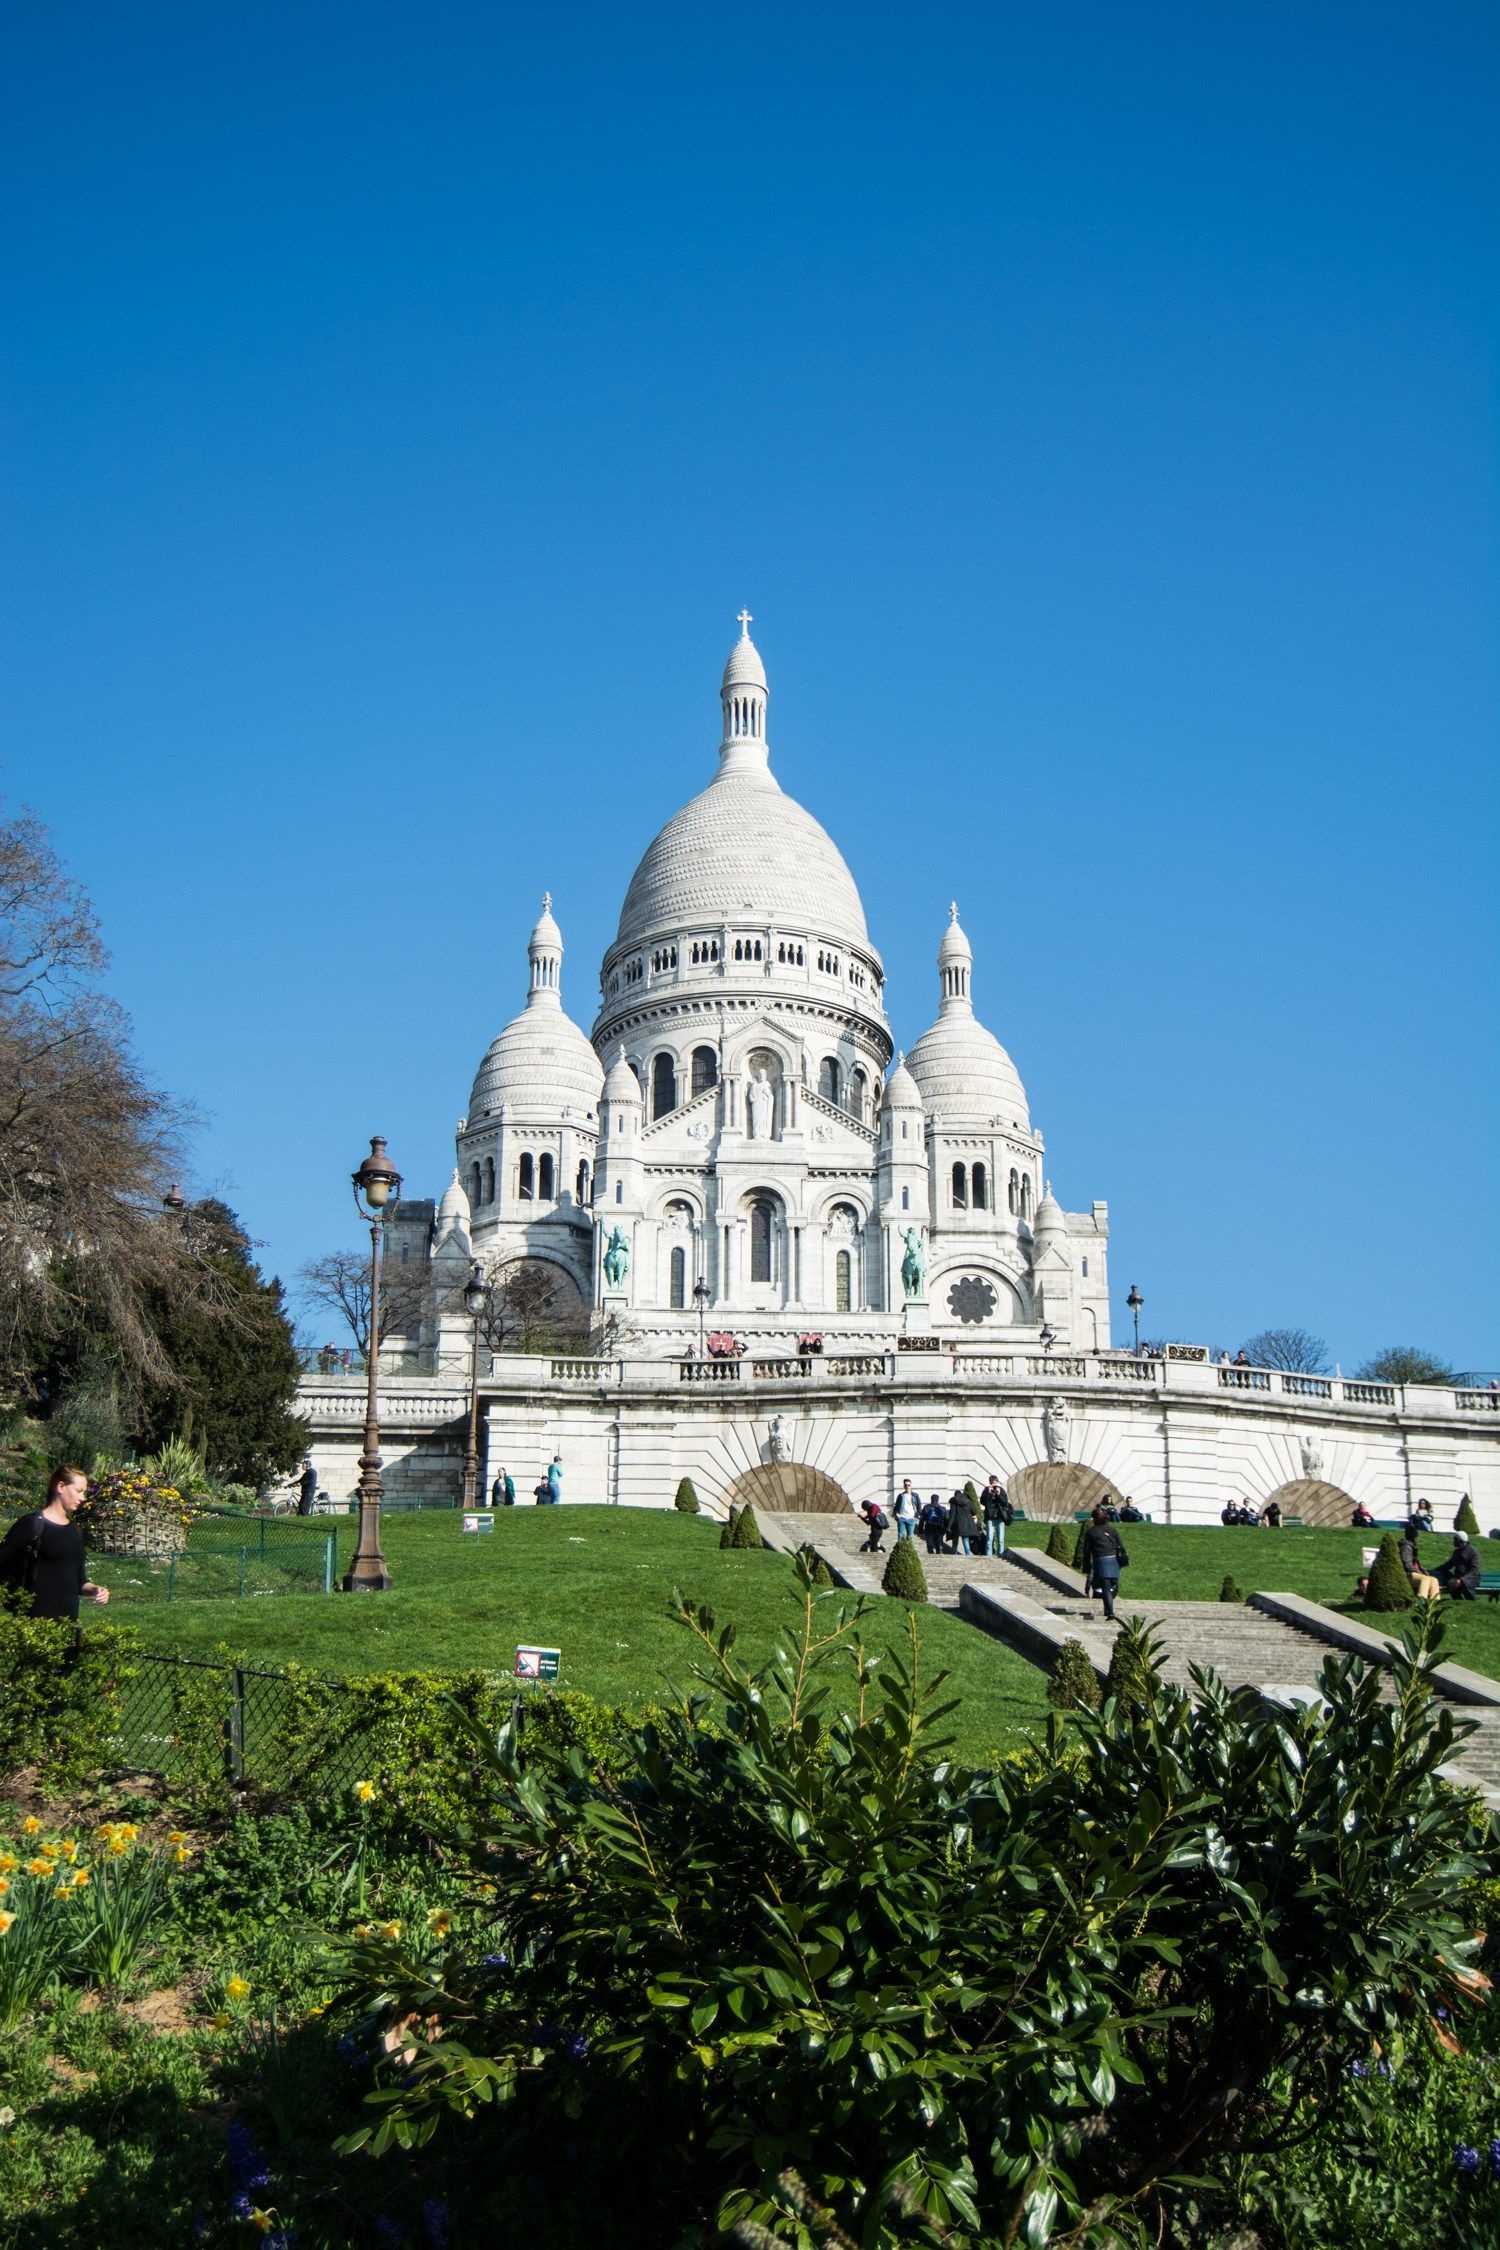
(183, 1715)
(226, 1559)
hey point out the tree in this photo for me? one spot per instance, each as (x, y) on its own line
(1388, 1586)
(88, 1146)
(1466, 1520)
(904, 1576)
(1230, 1591)
(234, 1367)
(1295, 1349)
(339, 1284)
(1405, 1363)
(686, 1502)
(1059, 1546)
(746, 1531)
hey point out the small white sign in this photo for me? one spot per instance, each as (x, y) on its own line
(538, 1663)
(479, 1523)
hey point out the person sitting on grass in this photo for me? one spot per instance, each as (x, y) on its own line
(1423, 1585)
(1270, 1515)
(1130, 1513)
(1461, 1573)
(1361, 1519)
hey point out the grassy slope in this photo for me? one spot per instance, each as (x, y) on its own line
(594, 1582)
(1185, 1563)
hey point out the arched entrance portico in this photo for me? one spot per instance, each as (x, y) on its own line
(789, 1487)
(1314, 1500)
(1054, 1491)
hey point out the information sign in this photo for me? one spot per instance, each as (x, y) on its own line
(538, 1663)
(479, 1523)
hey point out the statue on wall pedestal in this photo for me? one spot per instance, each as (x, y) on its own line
(914, 1264)
(1312, 1459)
(760, 1106)
(616, 1259)
(779, 1438)
(1055, 1429)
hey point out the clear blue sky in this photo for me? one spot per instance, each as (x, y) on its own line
(1095, 406)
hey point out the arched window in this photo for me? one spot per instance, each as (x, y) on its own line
(1015, 1189)
(476, 1187)
(830, 1079)
(843, 1279)
(905, 1194)
(859, 1088)
(526, 1178)
(705, 1069)
(546, 1184)
(489, 1179)
(678, 1282)
(960, 1188)
(1026, 1197)
(761, 1222)
(981, 1195)
(581, 1191)
(663, 1086)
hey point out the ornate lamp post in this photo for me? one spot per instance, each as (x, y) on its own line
(476, 1298)
(174, 1201)
(1049, 1338)
(376, 1181)
(700, 1299)
(1135, 1301)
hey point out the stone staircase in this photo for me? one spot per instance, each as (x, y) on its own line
(1243, 1645)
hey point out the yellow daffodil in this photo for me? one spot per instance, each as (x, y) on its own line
(69, 1848)
(104, 1831)
(30, 1825)
(364, 1791)
(181, 1856)
(176, 1835)
(263, 2221)
(129, 1831)
(362, 1930)
(440, 1921)
(117, 1847)
(4, 1886)
(64, 1890)
(5, 1922)
(390, 1930)
(221, 2022)
(7, 1862)
(236, 1988)
(39, 1867)
(80, 1878)
(321, 2008)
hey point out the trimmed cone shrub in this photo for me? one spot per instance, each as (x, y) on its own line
(1074, 1679)
(1466, 1520)
(821, 1574)
(1388, 1586)
(904, 1576)
(746, 1529)
(1059, 1545)
(1078, 1557)
(686, 1502)
(971, 1494)
(1132, 1677)
(726, 1533)
(1229, 1591)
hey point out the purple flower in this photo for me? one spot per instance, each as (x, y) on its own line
(497, 1960)
(438, 2220)
(240, 2205)
(1495, 2158)
(349, 2048)
(577, 2046)
(388, 2229)
(1466, 2162)
(1359, 2069)
(1442, 2015)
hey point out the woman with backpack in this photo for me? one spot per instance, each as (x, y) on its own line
(1104, 1558)
(934, 1522)
(42, 1554)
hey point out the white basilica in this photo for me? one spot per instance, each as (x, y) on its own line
(731, 1150)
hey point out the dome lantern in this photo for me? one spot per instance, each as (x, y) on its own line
(955, 965)
(545, 951)
(744, 694)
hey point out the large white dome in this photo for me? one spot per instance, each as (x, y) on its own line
(541, 1059)
(743, 849)
(962, 1070)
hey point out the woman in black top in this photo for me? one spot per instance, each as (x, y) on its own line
(42, 1554)
(1104, 1557)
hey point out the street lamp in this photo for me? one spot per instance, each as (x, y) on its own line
(1135, 1301)
(700, 1299)
(376, 1181)
(1049, 1337)
(476, 1298)
(174, 1201)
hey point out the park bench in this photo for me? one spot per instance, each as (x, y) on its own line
(1489, 1583)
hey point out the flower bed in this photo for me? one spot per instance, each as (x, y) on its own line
(132, 1512)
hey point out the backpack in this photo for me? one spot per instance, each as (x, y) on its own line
(878, 1519)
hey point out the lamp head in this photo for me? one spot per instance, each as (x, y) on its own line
(174, 1201)
(377, 1179)
(476, 1293)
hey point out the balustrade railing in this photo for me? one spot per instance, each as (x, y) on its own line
(1370, 1394)
(1477, 1402)
(779, 1370)
(708, 1370)
(1243, 1379)
(871, 1364)
(1307, 1386)
(1056, 1366)
(1130, 1370)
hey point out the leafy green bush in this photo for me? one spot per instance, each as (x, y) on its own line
(1466, 1520)
(726, 1529)
(59, 1695)
(1059, 1545)
(1132, 1678)
(180, 1465)
(1388, 1586)
(1073, 1679)
(817, 1569)
(971, 1494)
(1229, 1591)
(904, 1576)
(1079, 1555)
(721, 1978)
(746, 1529)
(686, 1502)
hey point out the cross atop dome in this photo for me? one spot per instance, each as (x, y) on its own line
(745, 623)
(743, 695)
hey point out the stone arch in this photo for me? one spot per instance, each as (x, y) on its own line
(1054, 1491)
(790, 1487)
(1315, 1500)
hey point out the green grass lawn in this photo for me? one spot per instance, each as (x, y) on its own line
(594, 1582)
(1188, 1563)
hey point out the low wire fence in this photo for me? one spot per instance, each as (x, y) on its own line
(227, 1558)
(185, 1716)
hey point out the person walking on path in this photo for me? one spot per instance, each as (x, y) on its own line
(876, 1522)
(42, 1554)
(906, 1511)
(1104, 1558)
(554, 1481)
(998, 1516)
(961, 1523)
(503, 1490)
(934, 1522)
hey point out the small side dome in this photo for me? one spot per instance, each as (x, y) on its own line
(1049, 1214)
(901, 1089)
(622, 1085)
(453, 1214)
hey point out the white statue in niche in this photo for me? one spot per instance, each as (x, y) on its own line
(1312, 1459)
(779, 1438)
(1055, 1429)
(760, 1104)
